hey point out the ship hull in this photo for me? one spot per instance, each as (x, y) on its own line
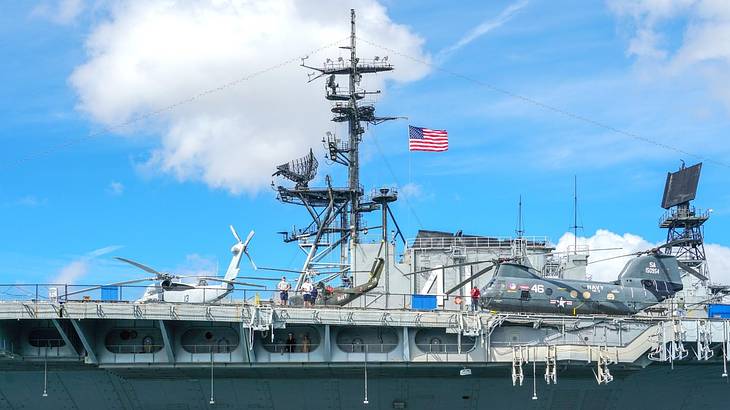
(685, 386)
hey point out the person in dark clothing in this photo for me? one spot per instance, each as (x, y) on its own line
(313, 295)
(291, 344)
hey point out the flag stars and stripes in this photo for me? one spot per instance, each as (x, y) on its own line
(426, 139)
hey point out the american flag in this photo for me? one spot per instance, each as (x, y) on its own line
(424, 139)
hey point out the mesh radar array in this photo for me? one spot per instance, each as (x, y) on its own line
(300, 171)
(684, 223)
(335, 212)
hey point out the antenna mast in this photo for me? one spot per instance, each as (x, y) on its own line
(335, 212)
(353, 170)
(520, 227)
(575, 226)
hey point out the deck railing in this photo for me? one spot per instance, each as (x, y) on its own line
(62, 293)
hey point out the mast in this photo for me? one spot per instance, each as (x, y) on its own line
(353, 170)
(520, 227)
(334, 211)
(575, 215)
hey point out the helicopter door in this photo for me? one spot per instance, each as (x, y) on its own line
(524, 298)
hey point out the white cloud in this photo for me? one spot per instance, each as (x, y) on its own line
(718, 260)
(604, 239)
(78, 268)
(60, 12)
(483, 28)
(152, 54)
(411, 190)
(718, 256)
(30, 201)
(702, 52)
(196, 264)
(115, 188)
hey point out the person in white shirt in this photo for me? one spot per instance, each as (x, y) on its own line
(283, 288)
(307, 293)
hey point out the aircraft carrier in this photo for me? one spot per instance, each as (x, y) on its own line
(396, 334)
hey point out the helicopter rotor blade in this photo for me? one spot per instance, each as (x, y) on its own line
(245, 249)
(590, 250)
(616, 257)
(233, 282)
(141, 266)
(258, 278)
(92, 288)
(447, 266)
(248, 239)
(470, 278)
(235, 234)
(692, 271)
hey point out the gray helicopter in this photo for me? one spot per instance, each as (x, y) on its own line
(650, 277)
(643, 282)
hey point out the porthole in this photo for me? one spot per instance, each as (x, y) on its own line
(549, 291)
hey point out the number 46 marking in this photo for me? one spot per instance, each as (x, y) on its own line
(538, 288)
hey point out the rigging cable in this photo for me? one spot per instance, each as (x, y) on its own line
(152, 114)
(395, 178)
(548, 107)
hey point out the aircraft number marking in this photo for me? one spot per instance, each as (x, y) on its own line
(652, 268)
(538, 288)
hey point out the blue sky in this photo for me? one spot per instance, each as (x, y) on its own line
(164, 189)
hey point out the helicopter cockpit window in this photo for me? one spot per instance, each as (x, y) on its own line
(202, 282)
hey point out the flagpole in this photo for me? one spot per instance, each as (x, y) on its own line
(409, 172)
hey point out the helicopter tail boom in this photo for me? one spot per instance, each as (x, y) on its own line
(656, 272)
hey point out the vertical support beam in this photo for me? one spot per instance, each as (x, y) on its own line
(90, 355)
(488, 345)
(327, 344)
(64, 335)
(406, 346)
(249, 352)
(167, 340)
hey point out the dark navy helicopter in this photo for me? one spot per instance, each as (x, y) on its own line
(649, 278)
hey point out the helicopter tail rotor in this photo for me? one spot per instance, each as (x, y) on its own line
(235, 234)
(245, 249)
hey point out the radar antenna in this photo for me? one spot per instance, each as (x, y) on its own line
(685, 223)
(300, 171)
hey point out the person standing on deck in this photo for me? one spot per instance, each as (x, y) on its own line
(306, 293)
(284, 287)
(475, 294)
(313, 297)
